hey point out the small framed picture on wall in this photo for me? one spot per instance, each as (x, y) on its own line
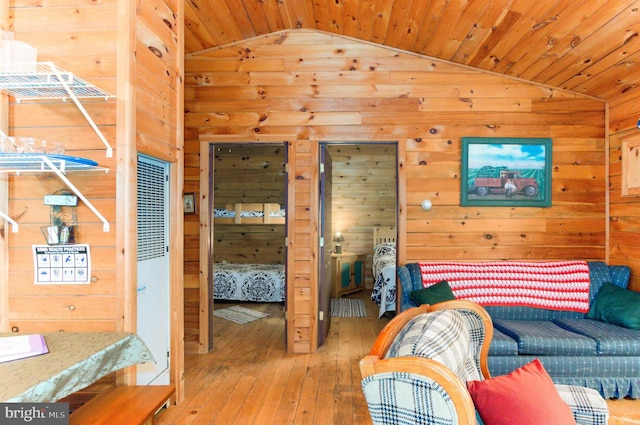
(190, 203)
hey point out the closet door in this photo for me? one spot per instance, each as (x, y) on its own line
(153, 268)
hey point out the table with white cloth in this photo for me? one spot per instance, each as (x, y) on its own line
(75, 360)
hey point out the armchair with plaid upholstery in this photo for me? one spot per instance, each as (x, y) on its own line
(417, 369)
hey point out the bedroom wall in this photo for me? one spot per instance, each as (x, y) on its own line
(248, 174)
(624, 222)
(304, 87)
(363, 195)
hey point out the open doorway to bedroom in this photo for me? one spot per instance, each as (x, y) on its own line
(359, 210)
(248, 238)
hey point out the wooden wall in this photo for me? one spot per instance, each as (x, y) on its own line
(62, 34)
(304, 87)
(624, 222)
(249, 174)
(133, 50)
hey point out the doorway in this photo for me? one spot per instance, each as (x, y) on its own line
(360, 195)
(248, 250)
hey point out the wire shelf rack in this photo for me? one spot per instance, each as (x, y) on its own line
(45, 80)
(19, 163)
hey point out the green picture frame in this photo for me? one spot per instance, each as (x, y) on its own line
(506, 172)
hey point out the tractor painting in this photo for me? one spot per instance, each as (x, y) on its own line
(483, 186)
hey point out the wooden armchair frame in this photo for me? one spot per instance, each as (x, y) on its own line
(375, 362)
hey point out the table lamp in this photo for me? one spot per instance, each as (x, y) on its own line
(338, 239)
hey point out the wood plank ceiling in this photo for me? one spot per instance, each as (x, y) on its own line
(587, 46)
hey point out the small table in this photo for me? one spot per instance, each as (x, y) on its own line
(75, 360)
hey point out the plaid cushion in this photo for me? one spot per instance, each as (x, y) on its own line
(587, 405)
(442, 336)
(620, 275)
(406, 399)
(611, 340)
(502, 345)
(515, 312)
(546, 338)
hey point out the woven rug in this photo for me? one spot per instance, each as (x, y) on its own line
(239, 315)
(348, 307)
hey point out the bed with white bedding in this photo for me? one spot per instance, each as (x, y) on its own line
(384, 269)
(249, 282)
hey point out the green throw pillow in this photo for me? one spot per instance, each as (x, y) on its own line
(434, 294)
(617, 306)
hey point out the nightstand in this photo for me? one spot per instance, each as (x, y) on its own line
(347, 273)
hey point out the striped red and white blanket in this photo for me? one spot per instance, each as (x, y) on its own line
(553, 285)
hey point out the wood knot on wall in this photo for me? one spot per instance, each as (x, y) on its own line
(155, 51)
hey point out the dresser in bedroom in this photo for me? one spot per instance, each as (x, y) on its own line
(347, 273)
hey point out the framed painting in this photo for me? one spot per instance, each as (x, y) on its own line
(500, 172)
(190, 203)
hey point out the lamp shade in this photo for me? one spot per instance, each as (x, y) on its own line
(338, 238)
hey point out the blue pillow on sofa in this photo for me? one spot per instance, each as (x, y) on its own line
(617, 306)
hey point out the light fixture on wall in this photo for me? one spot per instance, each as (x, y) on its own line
(338, 239)
(426, 205)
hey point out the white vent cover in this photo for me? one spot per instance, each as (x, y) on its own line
(152, 201)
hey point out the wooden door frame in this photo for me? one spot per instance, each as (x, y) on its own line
(205, 301)
(401, 200)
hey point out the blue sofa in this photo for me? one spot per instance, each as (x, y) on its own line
(573, 349)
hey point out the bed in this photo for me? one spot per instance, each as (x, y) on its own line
(384, 269)
(249, 282)
(245, 213)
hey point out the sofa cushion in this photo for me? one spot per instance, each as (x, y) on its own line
(502, 345)
(546, 338)
(529, 313)
(526, 396)
(611, 340)
(434, 294)
(600, 273)
(620, 275)
(617, 306)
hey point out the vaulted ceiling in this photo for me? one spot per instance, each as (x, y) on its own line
(587, 46)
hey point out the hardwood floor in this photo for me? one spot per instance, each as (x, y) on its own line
(250, 379)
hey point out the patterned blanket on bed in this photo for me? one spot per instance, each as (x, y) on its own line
(553, 285)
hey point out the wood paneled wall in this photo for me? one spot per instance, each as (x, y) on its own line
(133, 50)
(249, 174)
(81, 39)
(305, 87)
(624, 222)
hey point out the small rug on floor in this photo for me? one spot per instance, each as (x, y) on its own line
(239, 315)
(348, 307)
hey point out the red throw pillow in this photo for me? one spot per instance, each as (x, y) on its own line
(526, 396)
